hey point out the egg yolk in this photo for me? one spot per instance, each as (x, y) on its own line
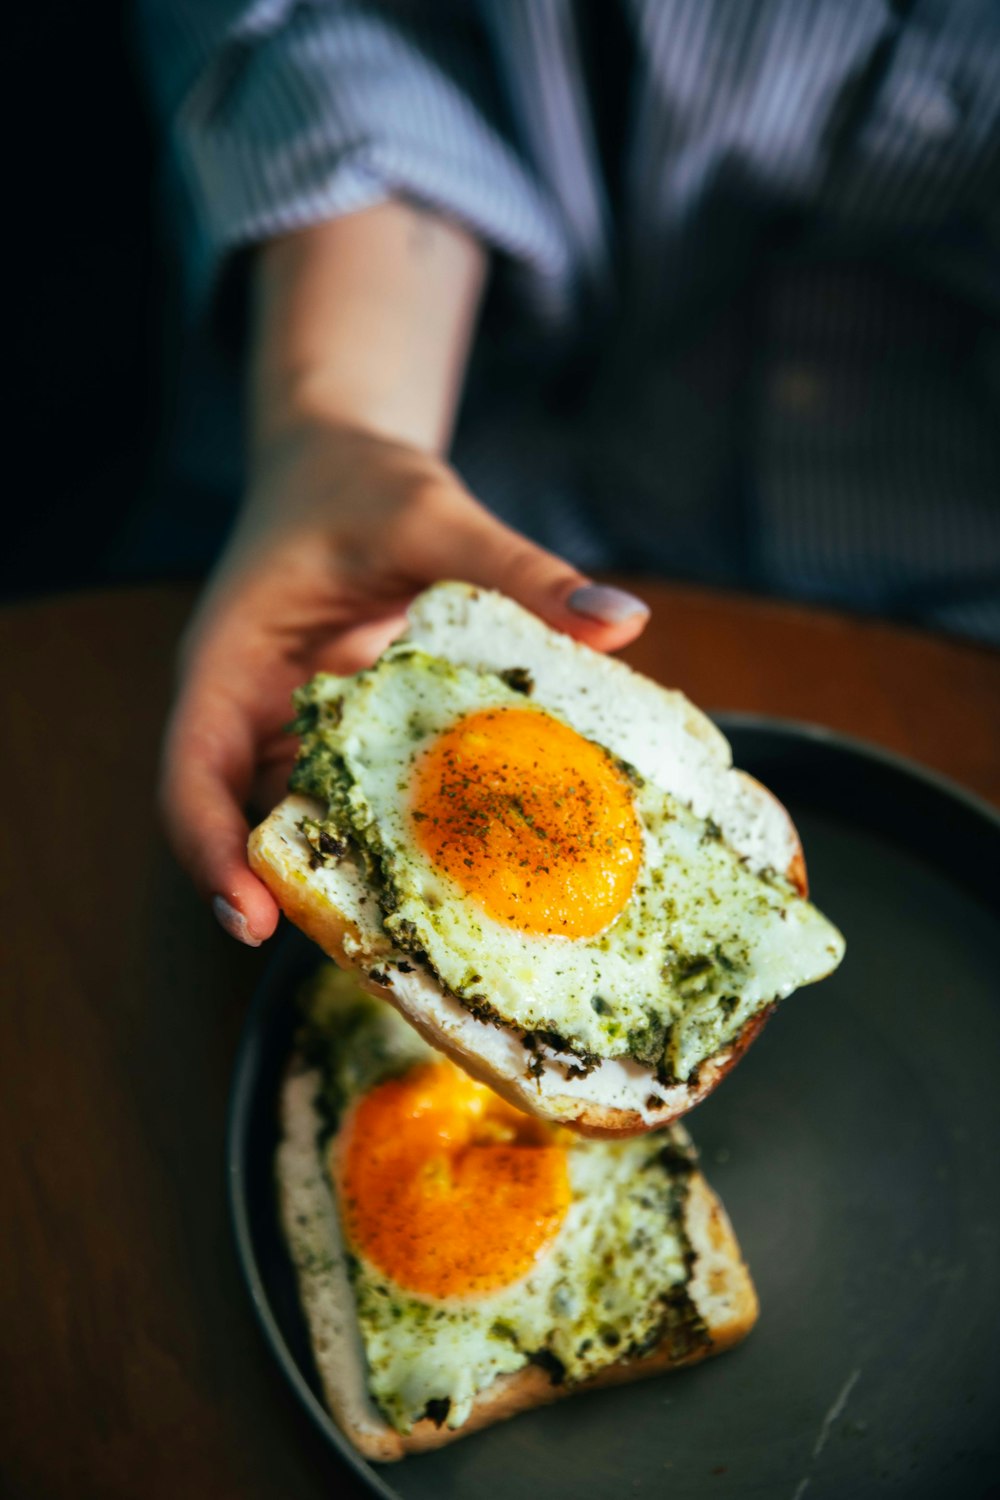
(531, 819)
(447, 1189)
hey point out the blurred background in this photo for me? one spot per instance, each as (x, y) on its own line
(87, 336)
(122, 426)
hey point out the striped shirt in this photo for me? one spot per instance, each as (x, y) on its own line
(746, 326)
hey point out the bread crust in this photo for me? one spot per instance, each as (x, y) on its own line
(720, 1287)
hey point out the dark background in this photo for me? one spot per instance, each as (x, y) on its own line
(86, 297)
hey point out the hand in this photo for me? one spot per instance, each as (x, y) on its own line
(340, 530)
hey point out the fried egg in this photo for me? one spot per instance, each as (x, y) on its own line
(550, 885)
(479, 1239)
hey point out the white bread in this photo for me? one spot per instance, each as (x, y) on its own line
(655, 729)
(719, 1286)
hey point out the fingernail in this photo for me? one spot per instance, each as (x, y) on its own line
(234, 922)
(610, 606)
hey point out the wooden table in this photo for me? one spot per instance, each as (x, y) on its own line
(131, 1363)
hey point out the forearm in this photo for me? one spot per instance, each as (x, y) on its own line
(365, 321)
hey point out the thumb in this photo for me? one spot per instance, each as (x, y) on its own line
(470, 544)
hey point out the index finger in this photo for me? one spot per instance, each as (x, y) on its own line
(205, 777)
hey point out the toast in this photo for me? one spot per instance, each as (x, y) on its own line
(716, 1293)
(664, 741)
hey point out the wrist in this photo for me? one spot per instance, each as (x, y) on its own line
(296, 406)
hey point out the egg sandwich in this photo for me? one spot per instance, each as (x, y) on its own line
(604, 1261)
(546, 862)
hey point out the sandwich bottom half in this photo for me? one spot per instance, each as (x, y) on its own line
(459, 1262)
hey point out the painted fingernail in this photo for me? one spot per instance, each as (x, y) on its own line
(610, 606)
(234, 922)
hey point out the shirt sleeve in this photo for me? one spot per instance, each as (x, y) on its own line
(282, 113)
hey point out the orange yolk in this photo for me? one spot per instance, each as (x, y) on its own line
(532, 820)
(447, 1189)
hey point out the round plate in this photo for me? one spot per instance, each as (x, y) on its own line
(856, 1149)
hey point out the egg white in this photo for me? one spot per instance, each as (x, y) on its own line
(595, 1293)
(703, 943)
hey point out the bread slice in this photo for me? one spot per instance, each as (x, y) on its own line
(719, 1285)
(334, 905)
(656, 730)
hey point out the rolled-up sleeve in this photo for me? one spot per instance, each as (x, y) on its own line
(282, 114)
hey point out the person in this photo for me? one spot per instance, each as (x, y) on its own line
(734, 268)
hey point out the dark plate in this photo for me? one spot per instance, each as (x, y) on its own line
(857, 1149)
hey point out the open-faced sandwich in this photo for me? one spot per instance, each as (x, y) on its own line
(459, 1261)
(546, 862)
